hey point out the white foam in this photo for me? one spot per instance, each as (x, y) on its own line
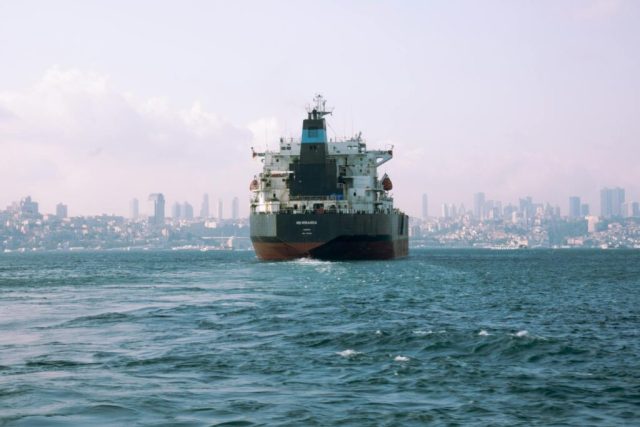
(421, 333)
(401, 359)
(522, 333)
(348, 353)
(483, 333)
(310, 261)
(378, 332)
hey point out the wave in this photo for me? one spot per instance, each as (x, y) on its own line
(54, 363)
(348, 353)
(108, 317)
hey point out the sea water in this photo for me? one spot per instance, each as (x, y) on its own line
(453, 337)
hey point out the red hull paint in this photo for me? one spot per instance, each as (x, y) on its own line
(283, 251)
(335, 250)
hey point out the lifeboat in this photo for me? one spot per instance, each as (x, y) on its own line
(254, 186)
(387, 185)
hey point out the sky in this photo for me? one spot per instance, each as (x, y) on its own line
(104, 101)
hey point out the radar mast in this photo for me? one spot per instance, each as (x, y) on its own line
(318, 110)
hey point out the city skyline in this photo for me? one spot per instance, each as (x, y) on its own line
(493, 225)
(612, 204)
(536, 99)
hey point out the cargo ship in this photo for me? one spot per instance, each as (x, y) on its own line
(322, 198)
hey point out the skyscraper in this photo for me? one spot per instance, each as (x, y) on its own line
(176, 211)
(29, 208)
(630, 209)
(611, 200)
(134, 210)
(425, 206)
(584, 210)
(61, 210)
(235, 209)
(158, 208)
(478, 205)
(204, 207)
(527, 208)
(187, 211)
(574, 207)
(219, 209)
(445, 211)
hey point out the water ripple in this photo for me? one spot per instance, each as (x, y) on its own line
(442, 337)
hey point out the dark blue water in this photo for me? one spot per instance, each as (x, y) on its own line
(453, 337)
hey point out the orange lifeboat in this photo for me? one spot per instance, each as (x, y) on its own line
(387, 185)
(254, 186)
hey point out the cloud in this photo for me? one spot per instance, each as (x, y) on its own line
(598, 9)
(265, 131)
(74, 137)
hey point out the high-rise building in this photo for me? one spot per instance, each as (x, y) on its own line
(134, 209)
(491, 209)
(584, 210)
(219, 209)
(61, 210)
(508, 211)
(204, 207)
(611, 200)
(425, 207)
(574, 207)
(158, 208)
(630, 209)
(235, 209)
(28, 208)
(445, 211)
(478, 205)
(176, 211)
(527, 208)
(187, 211)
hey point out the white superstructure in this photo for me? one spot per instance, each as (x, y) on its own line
(360, 190)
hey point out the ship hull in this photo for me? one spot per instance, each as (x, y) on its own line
(330, 236)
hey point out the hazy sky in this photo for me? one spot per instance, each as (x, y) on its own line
(103, 101)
